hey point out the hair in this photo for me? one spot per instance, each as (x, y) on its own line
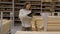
(26, 5)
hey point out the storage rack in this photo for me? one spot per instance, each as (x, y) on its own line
(47, 5)
(51, 5)
(36, 6)
(7, 6)
(10, 18)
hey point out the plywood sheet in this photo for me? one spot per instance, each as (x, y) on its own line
(6, 25)
(34, 32)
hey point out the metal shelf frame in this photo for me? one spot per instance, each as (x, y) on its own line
(12, 12)
(1, 18)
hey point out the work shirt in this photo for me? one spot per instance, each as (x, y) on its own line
(23, 14)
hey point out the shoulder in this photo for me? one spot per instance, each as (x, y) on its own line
(21, 9)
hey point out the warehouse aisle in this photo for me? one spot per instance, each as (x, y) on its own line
(17, 27)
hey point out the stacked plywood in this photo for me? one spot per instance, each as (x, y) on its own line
(47, 0)
(37, 23)
(53, 23)
(35, 2)
(6, 25)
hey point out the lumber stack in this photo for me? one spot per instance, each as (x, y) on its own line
(6, 26)
(37, 23)
(53, 23)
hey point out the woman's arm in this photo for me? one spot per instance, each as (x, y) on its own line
(30, 14)
(21, 14)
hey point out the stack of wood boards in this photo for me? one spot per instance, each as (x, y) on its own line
(6, 25)
(53, 23)
(46, 0)
(37, 23)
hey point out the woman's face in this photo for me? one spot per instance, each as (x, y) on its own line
(28, 6)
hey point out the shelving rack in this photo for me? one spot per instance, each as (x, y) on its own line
(47, 6)
(53, 5)
(38, 6)
(10, 18)
(7, 8)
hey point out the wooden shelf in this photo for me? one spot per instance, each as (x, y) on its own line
(19, 3)
(36, 8)
(57, 5)
(24, 3)
(30, 0)
(6, 2)
(5, 7)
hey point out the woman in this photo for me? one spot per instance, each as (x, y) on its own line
(25, 18)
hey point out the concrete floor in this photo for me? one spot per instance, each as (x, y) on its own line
(17, 27)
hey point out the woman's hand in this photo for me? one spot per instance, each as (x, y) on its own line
(28, 16)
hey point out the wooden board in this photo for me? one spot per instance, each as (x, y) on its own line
(47, 0)
(53, 28)
(34, 32)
